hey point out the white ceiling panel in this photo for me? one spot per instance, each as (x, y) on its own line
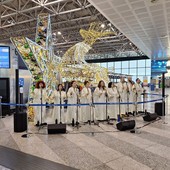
(146, 24)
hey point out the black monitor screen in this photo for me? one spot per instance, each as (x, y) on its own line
(4, 57)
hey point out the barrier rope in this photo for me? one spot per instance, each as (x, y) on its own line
(89, 104)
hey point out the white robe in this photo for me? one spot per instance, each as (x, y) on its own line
(137, 91)
(86, 97)
(100, 110)
(122, 89)
(72, 110)
(131, 107)
(37, 109)
(56, 110)
(113, 98)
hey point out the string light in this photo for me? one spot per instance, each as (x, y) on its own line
(59, 33)
(103, 25)
(73, 64)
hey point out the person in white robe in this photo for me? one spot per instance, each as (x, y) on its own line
(59, 96)
(39, 97)
(113, 97)
(73, 97)
(100, 97)
(137, 91)
(131, 99)
(123, 91)
(86, 97)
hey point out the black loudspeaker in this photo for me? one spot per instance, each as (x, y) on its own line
(56, 128)
(150, 117)
(125, 125)
(20, 122)
(159, 110)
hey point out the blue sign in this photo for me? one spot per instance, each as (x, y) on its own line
(159, 66)
(21, 82)
(4, 57)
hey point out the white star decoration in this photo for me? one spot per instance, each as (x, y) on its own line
(39, 56)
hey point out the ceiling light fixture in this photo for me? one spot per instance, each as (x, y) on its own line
(103, 25)
(59, 33)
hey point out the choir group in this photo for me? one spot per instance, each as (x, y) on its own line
(114, 93)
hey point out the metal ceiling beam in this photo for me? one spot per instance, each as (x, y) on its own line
(34, 19)
(31, 8)
(55, 23)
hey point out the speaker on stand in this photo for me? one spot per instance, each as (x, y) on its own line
(20, 118)
(150, 117)
(56, 128)
(126, 125)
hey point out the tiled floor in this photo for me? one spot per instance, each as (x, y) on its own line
(3, 168)
(100, 147)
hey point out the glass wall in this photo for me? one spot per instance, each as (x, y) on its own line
(135, 68)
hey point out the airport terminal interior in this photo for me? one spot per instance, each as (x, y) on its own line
(84, 84)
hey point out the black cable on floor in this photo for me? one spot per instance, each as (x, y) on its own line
(159, 118)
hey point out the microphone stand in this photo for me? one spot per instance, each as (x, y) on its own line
(107, 117)
(119, 119)
(41, 106)
(41, 124)
(143, 101)
(90, 105)
(144, 110)
(127, 113)
(77, 122)
(60, 107)
(93, 106)
(135, 130)
(91, 110)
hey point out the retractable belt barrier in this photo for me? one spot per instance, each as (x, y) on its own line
(89, 104)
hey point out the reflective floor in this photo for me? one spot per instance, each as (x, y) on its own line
(100, 147)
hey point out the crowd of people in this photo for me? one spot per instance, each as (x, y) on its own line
(124, 91)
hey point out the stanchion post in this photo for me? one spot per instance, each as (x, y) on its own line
(163, 94)
(0, 107)
(17, 89)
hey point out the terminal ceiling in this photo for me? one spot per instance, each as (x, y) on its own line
(18, 18)
(145, 23)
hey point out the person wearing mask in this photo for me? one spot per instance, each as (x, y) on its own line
(39, 97)
(73, 97)
(138, 90)
(59, 96)
(100, 94)
(123, 91)
(113, 97)
(86, 97)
